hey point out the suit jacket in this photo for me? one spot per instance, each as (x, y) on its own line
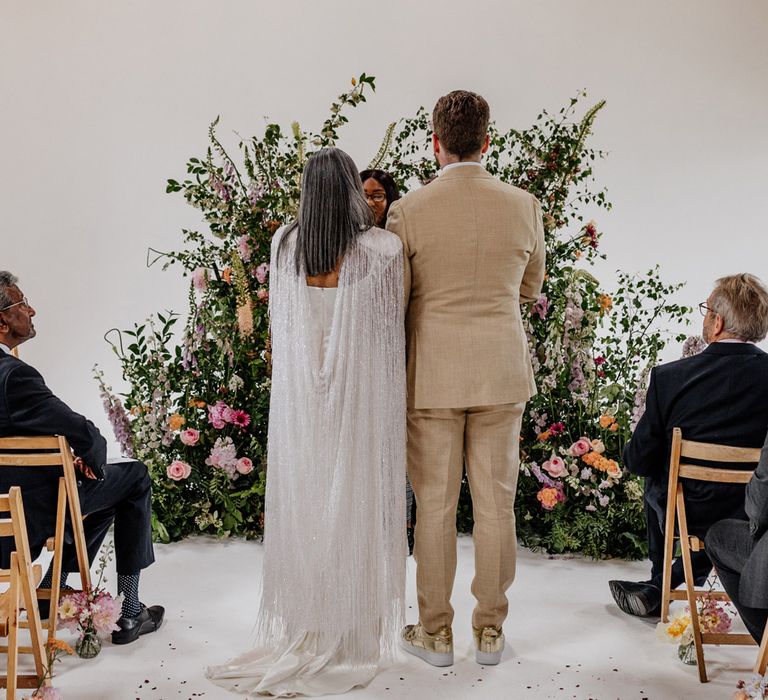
(717, 396)
(28, 407)
(474, 251)
(753, 587)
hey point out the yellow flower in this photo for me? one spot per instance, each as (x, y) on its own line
(354, 82)
(176, 421)
(59, 645)
(606, 421)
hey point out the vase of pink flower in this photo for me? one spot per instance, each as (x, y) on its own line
(92, 613)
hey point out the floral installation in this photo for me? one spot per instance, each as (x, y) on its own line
(54, 650)
(92, 613)
(198, 399)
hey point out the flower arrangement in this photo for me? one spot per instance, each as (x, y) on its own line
(756, 688)
(196, 410)
(92, 613)
(54, 650)
(714, 617)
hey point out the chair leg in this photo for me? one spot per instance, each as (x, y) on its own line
(688, 568)
(762, 655)
(76, 517)
(58, 553)
(13, 631)
(669, 548)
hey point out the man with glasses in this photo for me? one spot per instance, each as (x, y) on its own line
(717, 396)
(118, 494)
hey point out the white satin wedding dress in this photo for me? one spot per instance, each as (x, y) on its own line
(334, 541)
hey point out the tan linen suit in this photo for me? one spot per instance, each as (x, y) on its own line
(474, 251)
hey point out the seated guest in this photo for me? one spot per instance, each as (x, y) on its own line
(717, 396)
(122, 496)
(739, 551)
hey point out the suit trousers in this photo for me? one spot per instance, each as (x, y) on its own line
(124, 497)
(729, 543)
(440, 442)
(700, 562)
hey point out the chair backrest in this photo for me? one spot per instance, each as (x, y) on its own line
(32, 451)
(710, 452)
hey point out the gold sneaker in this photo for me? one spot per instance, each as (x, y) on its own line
(436, 649)
(489, 643)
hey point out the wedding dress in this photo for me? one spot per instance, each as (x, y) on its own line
(334, 537)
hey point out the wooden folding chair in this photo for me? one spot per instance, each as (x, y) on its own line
(53, 451)
(22, 578)
(682, 449)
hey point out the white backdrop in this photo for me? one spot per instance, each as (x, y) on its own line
(102, 101)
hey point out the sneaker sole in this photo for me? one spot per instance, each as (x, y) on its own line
(433, 658)
(488, 658)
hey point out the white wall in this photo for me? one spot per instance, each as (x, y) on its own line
(102, 101)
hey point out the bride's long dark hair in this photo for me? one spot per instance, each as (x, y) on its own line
(332, 212)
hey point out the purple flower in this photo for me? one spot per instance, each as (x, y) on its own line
(541, 307)
(693, 345)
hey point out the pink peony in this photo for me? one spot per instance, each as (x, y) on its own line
(261, 273)
(190, 436)
(178, 470)
(580, 447)
(216, 416)
(244, 465)
(47, 693)
(200, 279)
(555, 467)
(244, 248)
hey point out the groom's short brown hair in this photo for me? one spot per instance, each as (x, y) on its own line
(460, 120)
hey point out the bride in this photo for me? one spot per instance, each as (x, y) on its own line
(334, 548)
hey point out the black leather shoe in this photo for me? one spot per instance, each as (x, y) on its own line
(131, 628)
(641, 599)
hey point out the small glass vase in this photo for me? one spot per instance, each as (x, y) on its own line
(687, 653)
(89, 645)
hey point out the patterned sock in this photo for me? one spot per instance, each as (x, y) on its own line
(128, 585)
(47, 581)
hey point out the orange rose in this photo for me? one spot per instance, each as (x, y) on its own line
(176, 421)
(606, 421)
(548, 497)
(614, 427)
(605, 302)
(226, 275)
(543, 437)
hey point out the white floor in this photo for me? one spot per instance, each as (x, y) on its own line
(565, 637)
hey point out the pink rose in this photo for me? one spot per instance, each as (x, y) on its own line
(244, 465)
(261, 273)
(580, 447)
(614, 470)
(598, 446)
(555, 467)
(190, 436)
(228, 414)
(262, 295)
(178, 470)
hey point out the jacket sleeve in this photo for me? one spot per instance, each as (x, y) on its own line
(756, 503)
(646, 453)
(34, 410)
(533, 277)
(396, 224)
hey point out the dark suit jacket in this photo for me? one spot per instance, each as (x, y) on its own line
(28, 407)
(753, 588)
(718, 396)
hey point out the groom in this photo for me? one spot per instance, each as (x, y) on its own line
(474, 251)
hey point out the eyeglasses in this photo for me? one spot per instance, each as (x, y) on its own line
(377, 197)
(705, 309)
(23, 301)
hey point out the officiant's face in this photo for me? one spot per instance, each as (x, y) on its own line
(16, 321)
(377, 199)
(710, 328)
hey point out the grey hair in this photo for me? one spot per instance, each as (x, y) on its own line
(742, 302)
(333, 211)
(7, 279)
